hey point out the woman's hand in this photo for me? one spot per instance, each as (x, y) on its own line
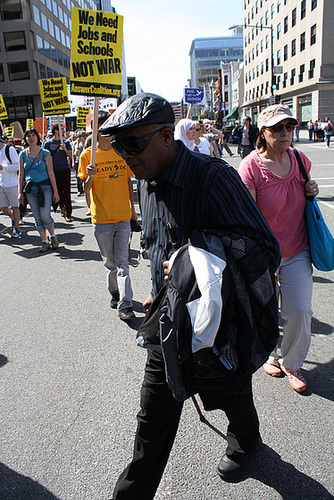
(55, 197)
(20, 198)
(311, 188)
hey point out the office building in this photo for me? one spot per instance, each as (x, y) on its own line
(35, 43)
(206, 54)
(289, 45)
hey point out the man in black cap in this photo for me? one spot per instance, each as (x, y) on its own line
(169, 174)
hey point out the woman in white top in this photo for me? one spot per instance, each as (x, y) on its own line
(202, 145)
(185, 132)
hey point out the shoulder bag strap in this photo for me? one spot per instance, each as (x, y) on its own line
(302, 170)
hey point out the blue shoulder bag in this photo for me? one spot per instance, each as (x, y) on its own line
(321, 242)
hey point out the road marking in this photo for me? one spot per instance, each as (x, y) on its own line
(326, 186)
(327, 204)
(323, 178)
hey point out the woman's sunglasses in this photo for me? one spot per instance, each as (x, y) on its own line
(134, 145)
(280, 126)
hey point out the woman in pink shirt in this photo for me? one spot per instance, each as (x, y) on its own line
(272, 175)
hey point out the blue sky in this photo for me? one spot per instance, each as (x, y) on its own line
(158, 36)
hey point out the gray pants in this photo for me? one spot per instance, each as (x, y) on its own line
(113, 242)
(296, 310)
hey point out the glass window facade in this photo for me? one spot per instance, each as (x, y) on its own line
(10, 10)
(15, 40)
(18, 71)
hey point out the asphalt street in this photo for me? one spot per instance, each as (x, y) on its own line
(71, 374)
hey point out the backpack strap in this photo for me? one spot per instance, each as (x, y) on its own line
(7, 153)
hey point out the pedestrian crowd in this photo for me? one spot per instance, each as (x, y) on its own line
(186, 194)
(320, 130)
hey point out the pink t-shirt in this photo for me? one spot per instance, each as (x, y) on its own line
(280, 199)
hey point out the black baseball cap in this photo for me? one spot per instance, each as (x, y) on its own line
(140, 109)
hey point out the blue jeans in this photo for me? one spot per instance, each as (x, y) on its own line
(113, 242)
(42, 215)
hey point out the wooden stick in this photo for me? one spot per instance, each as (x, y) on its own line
(95, 127)
(201, 416)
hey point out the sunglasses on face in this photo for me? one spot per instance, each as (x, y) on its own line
(197, 129)
(280, 126)
(133, 145)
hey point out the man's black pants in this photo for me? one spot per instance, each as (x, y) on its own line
(158, 420)
(63, 180)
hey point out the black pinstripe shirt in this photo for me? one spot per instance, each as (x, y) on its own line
(198, 192)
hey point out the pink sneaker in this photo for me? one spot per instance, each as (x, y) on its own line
(296, 379)
(272, 370)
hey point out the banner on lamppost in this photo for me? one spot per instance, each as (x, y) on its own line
(194, 96)
(222, 107)
(96, 53)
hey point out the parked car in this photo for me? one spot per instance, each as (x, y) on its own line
(233, 139)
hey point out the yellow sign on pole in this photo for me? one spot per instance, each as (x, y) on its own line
(3, 110)
(96, 53)
(9, 131)
(54, 96)
(29, 123)
(82, 112)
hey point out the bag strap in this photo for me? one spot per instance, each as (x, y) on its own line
(302, 170)
(33, 160)
(55, 151)
(7, 153)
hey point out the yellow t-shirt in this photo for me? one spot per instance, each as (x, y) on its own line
(110, 199)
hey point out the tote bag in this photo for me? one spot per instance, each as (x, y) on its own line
(321, 242)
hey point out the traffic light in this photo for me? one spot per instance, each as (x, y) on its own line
(274, 82)
(277, 99)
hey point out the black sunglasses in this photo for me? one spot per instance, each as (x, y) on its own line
(197, 129)
(134, 145)
(280, 126)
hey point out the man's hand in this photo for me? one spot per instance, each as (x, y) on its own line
(91, 170)
(147, 303)
(166, 268)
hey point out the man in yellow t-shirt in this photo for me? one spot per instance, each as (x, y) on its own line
(112, 206)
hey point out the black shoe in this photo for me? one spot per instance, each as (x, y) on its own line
(114, 300)
(126, 314)
(229, 468)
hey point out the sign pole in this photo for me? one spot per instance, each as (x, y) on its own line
(95, 127)
(60, 130)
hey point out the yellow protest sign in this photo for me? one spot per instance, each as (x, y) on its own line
(54, 96)
(3, 110)
(29, 123)
(9, 131)
(96, 53)
(81, 116)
